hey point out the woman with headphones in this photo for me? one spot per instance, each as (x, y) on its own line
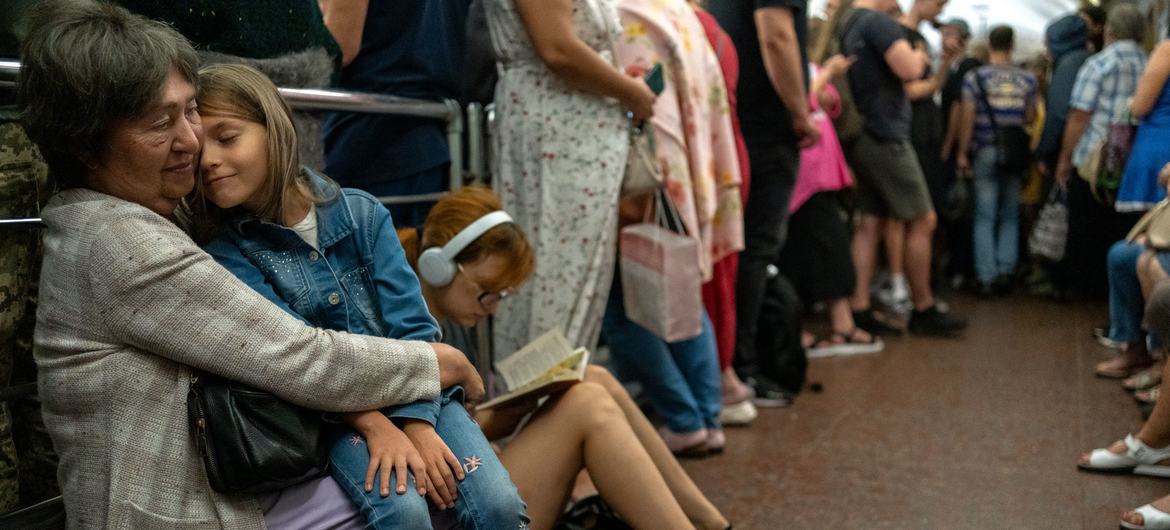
(474, 257)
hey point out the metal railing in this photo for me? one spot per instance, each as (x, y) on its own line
(337, 100)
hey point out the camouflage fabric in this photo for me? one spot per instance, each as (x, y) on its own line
(27, 462)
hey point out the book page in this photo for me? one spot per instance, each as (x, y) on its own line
(557, 378)
(534, 360)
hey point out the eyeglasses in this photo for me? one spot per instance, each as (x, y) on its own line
(487, 299)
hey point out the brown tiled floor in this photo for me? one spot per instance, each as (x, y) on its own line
(981, 432)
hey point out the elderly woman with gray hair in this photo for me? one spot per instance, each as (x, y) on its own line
(130, 305)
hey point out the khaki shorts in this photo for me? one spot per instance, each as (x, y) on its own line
(889, 180)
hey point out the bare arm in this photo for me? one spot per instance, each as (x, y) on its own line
(1152, 82)
(549, 24)
(781, 54)
(966, 131)
(345, 20)
(1074, 128)
(951, 138)
(905, 64)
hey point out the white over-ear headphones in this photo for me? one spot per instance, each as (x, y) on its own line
(436, 265)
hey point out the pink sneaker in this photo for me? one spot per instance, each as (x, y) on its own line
(687, 445)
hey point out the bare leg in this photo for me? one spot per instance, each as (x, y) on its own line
(583, 426)
(918, 260)
(894, 237)
(864, 249)
(698, 509)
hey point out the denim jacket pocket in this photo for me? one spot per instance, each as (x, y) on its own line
(284, 271)
(360, 287)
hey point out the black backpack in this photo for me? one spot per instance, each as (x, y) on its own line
(782, 357)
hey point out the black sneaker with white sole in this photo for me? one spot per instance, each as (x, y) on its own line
(768, 393)
(868, 321)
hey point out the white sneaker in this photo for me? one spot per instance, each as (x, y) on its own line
(742, 413)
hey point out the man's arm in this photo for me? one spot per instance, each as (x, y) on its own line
(902, 60)
(1074, 128)
(345, 19)
(780, 51)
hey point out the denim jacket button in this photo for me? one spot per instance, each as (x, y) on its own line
(334, 299)
(313, 255)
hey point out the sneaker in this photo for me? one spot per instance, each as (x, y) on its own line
(768, 393)
(896, 296)
(935, 323)
(868, 321)
(738, 414)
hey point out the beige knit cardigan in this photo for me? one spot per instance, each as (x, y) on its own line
(128, 305)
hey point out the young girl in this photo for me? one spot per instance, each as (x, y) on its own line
(594, 425)
(330, 257)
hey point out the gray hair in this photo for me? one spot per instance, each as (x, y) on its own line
(1125, 22)
(86, 65)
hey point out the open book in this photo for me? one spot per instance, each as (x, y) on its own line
(545, 366)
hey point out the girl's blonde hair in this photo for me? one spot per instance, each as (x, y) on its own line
(455, 212)
(240, 91)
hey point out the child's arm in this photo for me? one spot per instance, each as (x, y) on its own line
(442, 467)
(400, 300)
(390, 451)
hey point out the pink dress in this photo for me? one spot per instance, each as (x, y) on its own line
(719, 293)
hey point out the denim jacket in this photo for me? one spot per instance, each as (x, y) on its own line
(359, 281)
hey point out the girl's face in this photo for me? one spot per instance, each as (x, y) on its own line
(235, 161)
(465, 300)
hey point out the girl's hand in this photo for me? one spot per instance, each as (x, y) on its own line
(442, 466)
(391, 450)
(837, 65)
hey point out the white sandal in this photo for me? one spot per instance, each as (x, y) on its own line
(1152, 519)
(1139, 459)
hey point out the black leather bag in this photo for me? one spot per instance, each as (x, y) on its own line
(250, 440)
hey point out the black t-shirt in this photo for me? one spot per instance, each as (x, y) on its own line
(876, 89)
(925, 119)
(952, 91)
(761, 111)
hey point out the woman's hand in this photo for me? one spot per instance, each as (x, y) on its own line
(443, 467)
(390, 451)
(455, 369)
(639, 100)
(837, 65)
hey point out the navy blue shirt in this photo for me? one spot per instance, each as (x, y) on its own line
(876, 88)
(412, 49)
(761, 111)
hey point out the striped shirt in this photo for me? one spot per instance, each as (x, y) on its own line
(1103, 87)
(1011, 91)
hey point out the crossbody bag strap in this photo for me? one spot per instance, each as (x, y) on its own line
(983, 97)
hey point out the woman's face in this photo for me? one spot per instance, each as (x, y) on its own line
(234, 165)
(460, 300)
(150, 159)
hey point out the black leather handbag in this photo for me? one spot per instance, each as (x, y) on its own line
(250, 440)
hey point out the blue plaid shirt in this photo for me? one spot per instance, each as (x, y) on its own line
(1103, 88)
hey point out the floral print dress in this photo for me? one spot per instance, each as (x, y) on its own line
(692, 121)
(559, 157)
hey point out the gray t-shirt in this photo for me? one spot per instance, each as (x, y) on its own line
(876, 89)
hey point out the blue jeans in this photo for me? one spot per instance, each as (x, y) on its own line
(996, 230)
(681, 379)
(1126, 305)
(487, 498)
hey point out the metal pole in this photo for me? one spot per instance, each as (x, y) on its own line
(475, 160)
(455, 143)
